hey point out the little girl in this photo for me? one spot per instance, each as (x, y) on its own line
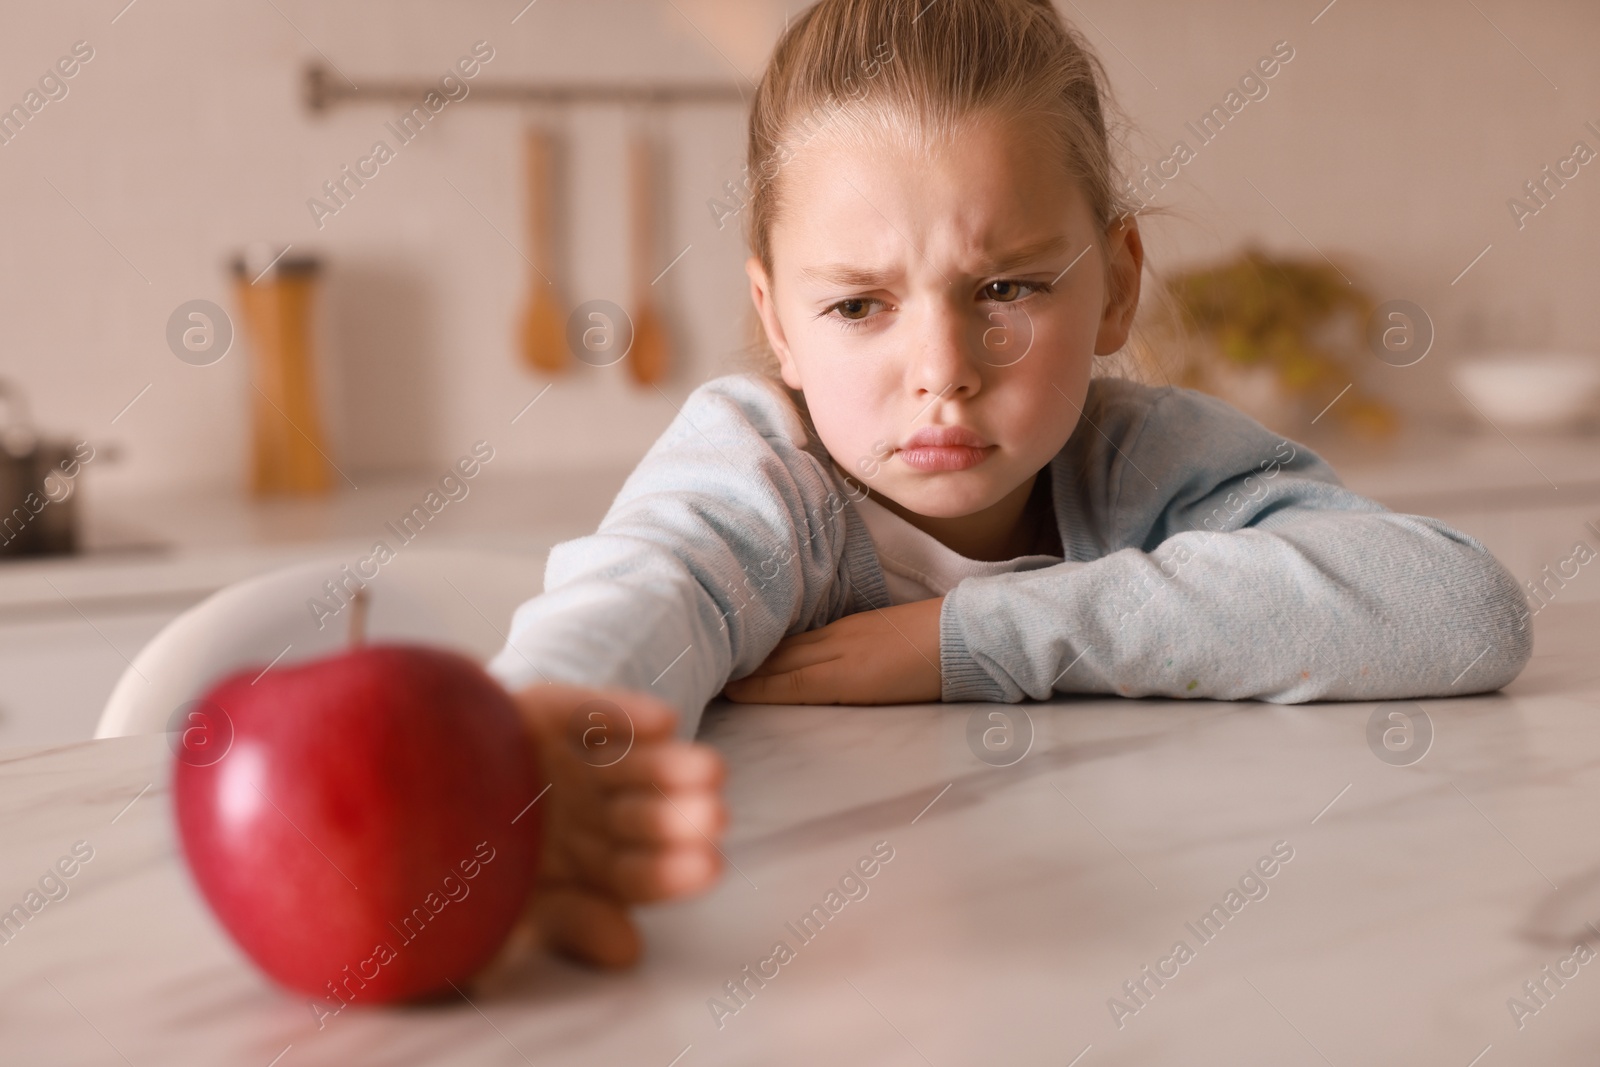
(927, 496)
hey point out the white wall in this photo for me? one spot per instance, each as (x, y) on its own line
(1393, 138)
(1392, 141)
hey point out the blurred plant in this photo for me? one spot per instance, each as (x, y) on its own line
(1278, 338)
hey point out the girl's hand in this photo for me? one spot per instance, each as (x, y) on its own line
(618, 832)
(883, 656)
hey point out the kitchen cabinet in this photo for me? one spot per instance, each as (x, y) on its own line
(55, 675)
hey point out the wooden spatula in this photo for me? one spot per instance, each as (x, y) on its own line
(649, 356)
(543, 341)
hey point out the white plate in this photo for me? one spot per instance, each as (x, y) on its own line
(1530, 389)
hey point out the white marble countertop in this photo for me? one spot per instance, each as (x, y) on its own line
(1019, 899)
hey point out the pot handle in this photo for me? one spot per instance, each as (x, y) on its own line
(17, 434)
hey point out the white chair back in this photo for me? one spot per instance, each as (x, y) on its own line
(453, 598)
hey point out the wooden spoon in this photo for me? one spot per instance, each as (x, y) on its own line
(543, 340)
(650, 354)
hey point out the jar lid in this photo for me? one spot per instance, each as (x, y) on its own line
(260, 261)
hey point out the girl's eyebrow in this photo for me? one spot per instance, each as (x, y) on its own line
(846, 275)
(868, 278)
(1028, 253)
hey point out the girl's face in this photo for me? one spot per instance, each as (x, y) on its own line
(961, 286)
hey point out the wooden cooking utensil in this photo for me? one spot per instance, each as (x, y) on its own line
(650, 354)
(542, 338)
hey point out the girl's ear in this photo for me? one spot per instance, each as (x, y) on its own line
(1124, 267)
(766, 307)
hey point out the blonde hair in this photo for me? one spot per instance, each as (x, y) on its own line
(931, 64)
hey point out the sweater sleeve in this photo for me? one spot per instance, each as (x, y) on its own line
(724, 539)
(1232, 564)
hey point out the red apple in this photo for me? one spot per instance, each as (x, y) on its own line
(361, 824)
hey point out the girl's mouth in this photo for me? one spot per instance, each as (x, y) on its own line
(944, 457)
(945, 448)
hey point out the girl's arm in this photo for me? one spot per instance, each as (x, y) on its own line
(726, 537)
(1231, 564)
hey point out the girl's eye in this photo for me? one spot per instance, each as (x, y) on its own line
(1007, 291)
(853, 312)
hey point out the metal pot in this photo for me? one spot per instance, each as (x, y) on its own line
(38, 484)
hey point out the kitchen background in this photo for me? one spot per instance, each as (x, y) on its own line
(1391, 143)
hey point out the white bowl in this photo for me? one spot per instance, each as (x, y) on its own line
(1530, 389)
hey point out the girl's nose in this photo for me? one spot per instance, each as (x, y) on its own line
(946, 361)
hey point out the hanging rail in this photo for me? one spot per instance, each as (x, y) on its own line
(325, 88)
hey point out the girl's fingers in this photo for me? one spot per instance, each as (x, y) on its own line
(821, 633)
(623, 739)
(762, 689)
(799, 649)
(555, 708)
(814, 683)
(587, 927)
(651, 718)
(672, 765)
(638, 874)
(641, 876)
(788, 657)
(652, 818)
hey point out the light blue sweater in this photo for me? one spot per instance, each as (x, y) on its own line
(1226, 562)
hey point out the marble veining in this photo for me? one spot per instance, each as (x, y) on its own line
(1419, 902)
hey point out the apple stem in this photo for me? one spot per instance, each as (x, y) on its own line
(358, 618)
